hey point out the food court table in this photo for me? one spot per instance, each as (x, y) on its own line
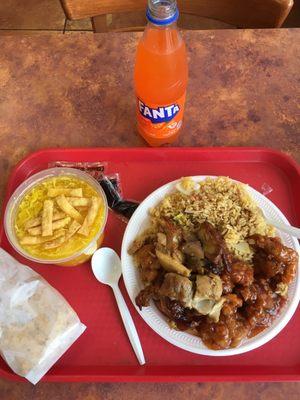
(76, 91)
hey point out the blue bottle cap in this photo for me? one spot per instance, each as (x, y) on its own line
(162, 12)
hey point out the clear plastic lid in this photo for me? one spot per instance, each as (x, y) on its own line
(25, 187)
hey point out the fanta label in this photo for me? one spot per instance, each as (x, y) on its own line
(160, 120)
(159, 114)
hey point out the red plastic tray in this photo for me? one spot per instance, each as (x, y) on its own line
(103, 352)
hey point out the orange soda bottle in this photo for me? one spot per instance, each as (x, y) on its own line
(160, 75)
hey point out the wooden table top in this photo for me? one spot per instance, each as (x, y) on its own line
(76, 91)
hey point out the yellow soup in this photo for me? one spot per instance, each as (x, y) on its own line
(85, 213)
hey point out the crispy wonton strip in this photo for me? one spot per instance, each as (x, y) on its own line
(53, 192)
(61, 223)
(36, 231)
(81, 209)
(79, 201)
(32, 223)
(90, 217)
(39, 239)
(55, 243)
(47, 217)
(73, 228)
(65, 206)
(31, 240)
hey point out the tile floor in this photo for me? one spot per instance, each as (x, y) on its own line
(31, 16)
(37, 15)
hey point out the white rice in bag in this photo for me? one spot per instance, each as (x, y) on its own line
(37, 325)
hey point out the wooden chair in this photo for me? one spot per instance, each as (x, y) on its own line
(129, 15)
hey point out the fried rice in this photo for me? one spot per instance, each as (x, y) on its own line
(226, 204)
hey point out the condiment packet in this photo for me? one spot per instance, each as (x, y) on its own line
(37, 325)
(112, 189)
(111, 185)
(95, 169)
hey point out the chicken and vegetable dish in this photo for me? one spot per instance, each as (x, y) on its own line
(205, 288)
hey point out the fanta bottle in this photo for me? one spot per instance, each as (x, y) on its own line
(160, 75)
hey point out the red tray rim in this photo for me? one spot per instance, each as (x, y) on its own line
(220, 149)
(150, 373)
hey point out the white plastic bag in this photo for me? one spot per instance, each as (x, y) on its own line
(37, 325)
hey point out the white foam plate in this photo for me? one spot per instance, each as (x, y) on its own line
(158, 322)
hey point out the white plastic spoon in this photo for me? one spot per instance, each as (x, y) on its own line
(106, 266)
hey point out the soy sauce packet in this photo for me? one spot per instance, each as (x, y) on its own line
(111, 185)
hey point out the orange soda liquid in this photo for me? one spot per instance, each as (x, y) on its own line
(160, 77)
